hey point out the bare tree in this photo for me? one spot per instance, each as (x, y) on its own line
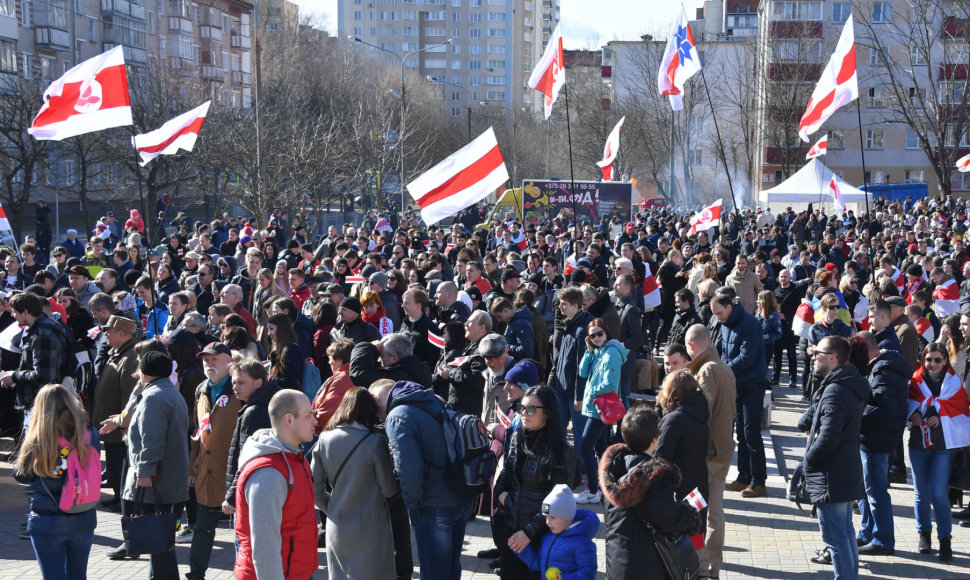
(22, 157)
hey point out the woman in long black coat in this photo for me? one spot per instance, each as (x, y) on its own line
(671, 279)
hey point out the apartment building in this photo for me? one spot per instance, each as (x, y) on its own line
(494, 45)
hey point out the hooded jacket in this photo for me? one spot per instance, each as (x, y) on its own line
(884, 417)
(519, 335)
(638, 489)
(683, 441)
(832, 464)
(253, 416)
(603, 308)
(572, 552)
(742, 348)
(601, 368)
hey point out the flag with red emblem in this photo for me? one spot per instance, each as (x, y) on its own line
(178, 133)
(707, 218)
(838, 86)
(820, 148)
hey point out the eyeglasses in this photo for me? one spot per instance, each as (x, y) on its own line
(832, 308)
(826, 353)
(530, 410)
(933, 360)
(597, 334)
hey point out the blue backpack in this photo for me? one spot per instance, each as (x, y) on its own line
(471, 461)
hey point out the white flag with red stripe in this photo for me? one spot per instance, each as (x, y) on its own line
(569, 265)
(4, 222)
(804, 319)
(696, 500)
(925, 328)
(549, 75)
(178, 133)
(502, 417)
(946, 298)
(436, 340)
(610, 151)
(951, 405)
(90, 97)
(383, 226)
(457, 362)
(838, 86)
(354, 279)
(837, 199)
(820, 148)
(466, 177)
(651, 290)
(963, 164)
(520, 241)
(707, 218)
(680, 62)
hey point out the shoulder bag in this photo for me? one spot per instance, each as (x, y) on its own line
(148, 533)
(677, 554)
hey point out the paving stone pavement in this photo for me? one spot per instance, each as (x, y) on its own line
(766, 538)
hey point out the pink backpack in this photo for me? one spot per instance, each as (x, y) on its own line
(82, 481)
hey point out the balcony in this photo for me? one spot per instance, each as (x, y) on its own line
(177, 24)
(133, 55)
(52, 38)
(185, 66)
(794, 71)
(124, 7)
(795, 29)
(210, 34)
(956, 27)
(212, 72)
(239, 41)
(953, 72)
(242, 79)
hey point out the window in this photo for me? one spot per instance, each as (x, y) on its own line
(456, 17)
(878, 55)
(836, 139)
(474, 65)
(496, 16)
(878, 97)
(496, 48)
(496, 64)
(455, 49)
(456, 32)
(956, 52)
(475, 33)
(46, 67)
(882, 12)
(876, 177)
(410, 31)
(797, 11)
(917, 96)
(25, 14)
(474, 81)
(435, 15)
(495, 80)
(474, 18)
(410, 15)
(496, 33)
(915, 176)
(357, 15)
(917, 55)
(912, 140)
(7, 8)
(875, 139)
(477, 3)
(475, 49)
(8, 57)
(495, 95)
(455, 111)
(841, 12)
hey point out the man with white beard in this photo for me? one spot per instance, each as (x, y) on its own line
(495, 350)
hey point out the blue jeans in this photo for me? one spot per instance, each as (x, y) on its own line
(835, 522)
(752, 466)
(931, 476)
(439, 533)
(592, 434)
(875, 505)
(579, 425)
(63, 557)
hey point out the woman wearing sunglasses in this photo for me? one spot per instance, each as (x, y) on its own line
(601, 369)
(535, 463)
(939, 420)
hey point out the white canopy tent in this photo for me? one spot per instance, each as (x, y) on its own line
(810, 184)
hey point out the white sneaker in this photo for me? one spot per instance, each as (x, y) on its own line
(586, 496)
(183, 534)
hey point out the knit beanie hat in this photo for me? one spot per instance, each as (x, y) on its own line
(523, 375)
(560, 503)
(155, 364)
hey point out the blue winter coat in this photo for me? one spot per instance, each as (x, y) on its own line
(572, 552)
(601, 369)
(742, 349)
(770, 327)
(519, 335)
(415, 432)
(566, 380)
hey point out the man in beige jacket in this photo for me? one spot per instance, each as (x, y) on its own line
(717, 383)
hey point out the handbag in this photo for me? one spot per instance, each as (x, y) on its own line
(798, 488)
(677, 554)
(610, 407)
(148, 533)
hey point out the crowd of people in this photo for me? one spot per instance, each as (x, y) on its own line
(307, 388)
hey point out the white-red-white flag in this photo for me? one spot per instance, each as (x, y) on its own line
(436, 340)
(178, 133)
(680, 62)
(706, 219)
(465, 178)
(90, 97)
(836, 194)
(549, 75)
(610, 151)
(963, 164)
(820, 148)
(354, 279)
(101, 230)
(838, 86)
(4, 222)
(696, 499)
(502, 417)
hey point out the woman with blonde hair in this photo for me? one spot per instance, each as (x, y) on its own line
(58, 425)
(372, 311)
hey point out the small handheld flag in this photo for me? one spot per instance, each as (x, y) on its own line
(696, 500)
(502, 417)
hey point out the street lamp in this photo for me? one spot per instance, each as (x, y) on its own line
(402, 60)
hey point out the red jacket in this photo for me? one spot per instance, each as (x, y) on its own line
(299, 529)
(329, 397)
(245, 314)
(300, 295)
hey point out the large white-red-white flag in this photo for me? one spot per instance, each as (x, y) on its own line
(820, 148)
(680, 62)
(836, 194)
(90, 97)
(963, 164)
(4, 222)
(466, 177)
(707, 218)
(178, 133)
(610, 151)
(549, 74)
(838, 86)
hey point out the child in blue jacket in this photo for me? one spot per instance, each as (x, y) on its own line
(566, 551)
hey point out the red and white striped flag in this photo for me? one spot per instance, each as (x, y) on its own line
(838, 86)
(520, 241)
(946, 298)
(93, 332)
(204, 425)
(383, 226)
(465, 178)
(837, 199)
(436, 340)
(178, 133)
(502, 417)
(610, 151)
(102, 231)
(449, 247)
(820, 148)
(963, 164)
(549, 75)
(651, 289)
(457, 362)
(925, 328)
(951, 405)
(707, 219)
(354, 279)
(90, 97)
(804, 319)
(681, 61)
(4, 222)
(569, 266)
(696, 500)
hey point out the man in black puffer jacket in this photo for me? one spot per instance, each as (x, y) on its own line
(882, 425)
(832, 464)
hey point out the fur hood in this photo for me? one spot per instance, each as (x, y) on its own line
(626, 477)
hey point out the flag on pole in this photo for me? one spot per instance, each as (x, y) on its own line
(837, 198)
(707, 219)
(838, 86)
(435, 339)
(549, 74)
(101, 230)
(820, 148)
(178, 133)
(4, 222)
(90, 97)
(610, 150)
(963, 164)
(651, 289)
(680, 62)
(464, 178)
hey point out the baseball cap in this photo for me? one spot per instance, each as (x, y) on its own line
(216, 348)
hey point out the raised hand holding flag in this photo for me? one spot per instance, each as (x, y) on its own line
(707, 219)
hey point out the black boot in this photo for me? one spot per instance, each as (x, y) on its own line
(946, 552)
(924, 543)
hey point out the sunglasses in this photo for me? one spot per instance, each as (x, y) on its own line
(934, 360)
(832, 308)
(530, 410)
(597, 334)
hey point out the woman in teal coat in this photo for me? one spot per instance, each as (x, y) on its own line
(600, 367)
